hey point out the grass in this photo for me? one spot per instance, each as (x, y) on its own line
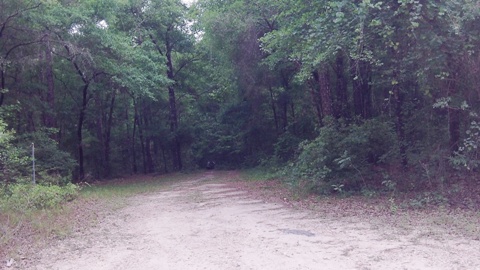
(25, 230)
(258, 174)
(126, 187)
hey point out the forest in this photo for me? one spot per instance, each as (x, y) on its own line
(340, 95)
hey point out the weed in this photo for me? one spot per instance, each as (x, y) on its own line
(393, 205)
(389, 184)
(28, 229)
(428, 199)
(338, 188)
(368, 193)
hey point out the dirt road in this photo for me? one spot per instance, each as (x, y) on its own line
(205, 223)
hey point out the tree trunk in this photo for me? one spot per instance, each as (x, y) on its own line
(108, 130)
(99, 163)
(50, 119)
(285, 99)
(400, 125)
(399, 121)
(149, 168)
(454, 115)
(177, 159)
(316, 101)
(142, 143)
(341, 104)
(274, 110)
(134, 152)
(81, 118)
(165, 167)
(294, 119)
(362, 96)
(148, 155)
(323, 83)
(284, 114)
(2, 83)
(172, 101)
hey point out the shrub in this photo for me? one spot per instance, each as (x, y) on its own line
(286, 145)
(23, 197)
(468, 154)
(49, 159)
(53, 165)
(343, 155)
(12, 162)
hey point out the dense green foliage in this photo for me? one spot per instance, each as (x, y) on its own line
(25, 197)
(11, 161)
(345, 155)
(334, 92)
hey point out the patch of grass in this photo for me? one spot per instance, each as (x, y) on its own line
(29, 213)
(458, 221)
(22, 232)
(9, 224)
(121, 188)
(258, 174)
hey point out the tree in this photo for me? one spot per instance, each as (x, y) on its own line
(14, 38)
(163, 24)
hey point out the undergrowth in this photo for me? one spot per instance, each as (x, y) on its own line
(27, 197)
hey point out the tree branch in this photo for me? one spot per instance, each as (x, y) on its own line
(12, 16)
(156, 44)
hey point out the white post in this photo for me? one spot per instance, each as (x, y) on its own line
(33, 163)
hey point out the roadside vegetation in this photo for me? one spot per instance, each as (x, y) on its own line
(388, 208)
(31, 216)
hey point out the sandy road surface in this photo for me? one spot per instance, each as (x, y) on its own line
(207, 224)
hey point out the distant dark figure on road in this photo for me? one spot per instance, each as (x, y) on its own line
(210, 165)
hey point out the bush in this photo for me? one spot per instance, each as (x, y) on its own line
(12, 162)
(23, 197)
(343, 155)
(286, 146)
(49, 159)
(52, 164)
(468, 154)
